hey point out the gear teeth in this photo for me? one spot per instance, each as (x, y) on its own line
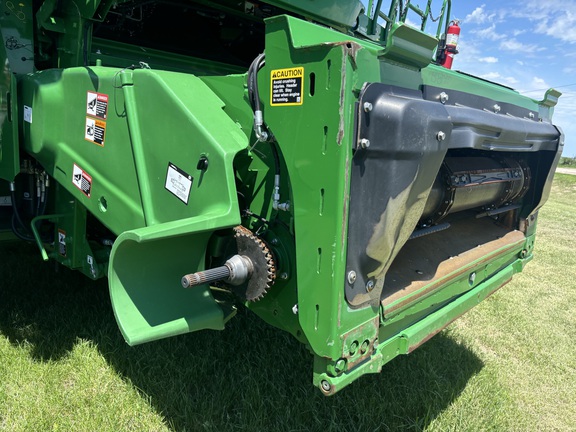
(267, 258)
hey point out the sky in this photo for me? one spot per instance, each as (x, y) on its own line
(528, 45)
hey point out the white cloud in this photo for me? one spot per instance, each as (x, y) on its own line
(539, 83)
(491, 76)
(488, 60)
(496, 77)
(534, 87)
(515, 46)
(479, 16)
(412, 23)
(555, 19)
(562, 27)
(488, 33)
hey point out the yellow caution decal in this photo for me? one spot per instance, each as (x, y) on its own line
(287, 86)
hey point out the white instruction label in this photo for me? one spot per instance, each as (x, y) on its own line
(82, 180)
(62, 242)
(27, 114)
(178, 183)
(95, 131)
(97, 105)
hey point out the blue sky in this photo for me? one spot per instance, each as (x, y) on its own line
(528, 45)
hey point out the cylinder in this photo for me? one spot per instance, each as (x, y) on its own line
(465, 183)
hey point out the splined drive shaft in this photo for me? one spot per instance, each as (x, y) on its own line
(206, 276)
(235, 271)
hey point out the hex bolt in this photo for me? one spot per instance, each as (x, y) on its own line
(283, 275)
(367, 107)
(531, 115)
(326, 387)
(496, 108)
(364, 346)
(364, 143)
(340, 366)
(295, 309)
(274, 241)
(444, 97)
(351, 277)
(472, 278)
(440, 136)
(369, 286)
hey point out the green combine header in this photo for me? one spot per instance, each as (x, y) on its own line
(316, 162)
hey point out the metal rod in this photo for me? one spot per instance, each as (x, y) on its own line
(429, 230)
(37, 234)
(497, 211)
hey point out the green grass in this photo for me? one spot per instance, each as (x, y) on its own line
(507, 365)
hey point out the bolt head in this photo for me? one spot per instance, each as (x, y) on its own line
(444, 97)
(364, 143)
(351, 277)
(326, 387)
(295, 309)
(370, 285)
(497, 108)
(367, 107)
(283, 275)
(440, 136)
(340, 365)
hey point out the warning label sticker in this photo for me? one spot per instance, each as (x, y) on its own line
(287, 86)
(82, 180)
(61, 242)
(178, 183)
(95, 131)
(27, 114)
(97, 105)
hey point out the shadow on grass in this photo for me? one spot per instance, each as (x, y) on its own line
(248, 377)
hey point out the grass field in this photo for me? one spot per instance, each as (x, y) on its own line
(507, 365)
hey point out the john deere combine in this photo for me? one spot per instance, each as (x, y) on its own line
(312, 160)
